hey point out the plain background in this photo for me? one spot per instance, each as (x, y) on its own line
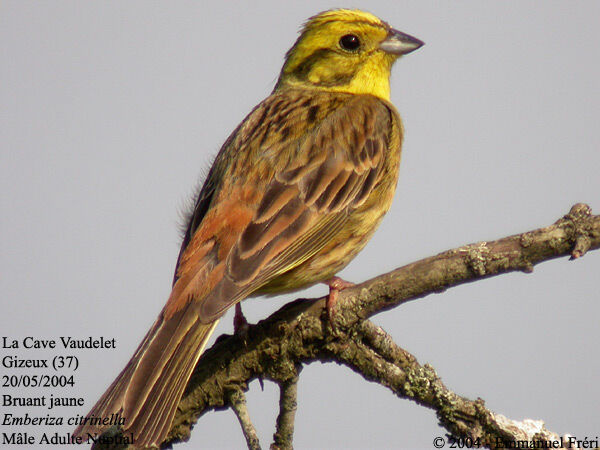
(111, 111)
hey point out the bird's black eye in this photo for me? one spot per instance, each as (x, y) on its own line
(349, 42)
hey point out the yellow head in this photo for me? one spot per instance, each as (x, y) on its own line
(345, 50)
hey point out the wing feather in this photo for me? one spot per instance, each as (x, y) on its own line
(304, 206)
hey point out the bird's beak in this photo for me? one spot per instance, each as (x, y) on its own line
(399, 43)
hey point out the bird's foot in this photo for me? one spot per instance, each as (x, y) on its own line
(336, 284)
(240, 324)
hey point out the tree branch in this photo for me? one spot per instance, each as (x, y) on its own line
(300, 333)
(375, 356)
(237, 400)
(573, 234)
(284, 434)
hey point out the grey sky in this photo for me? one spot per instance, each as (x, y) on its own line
(111, 111)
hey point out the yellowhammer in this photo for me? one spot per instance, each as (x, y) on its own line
(294, 194)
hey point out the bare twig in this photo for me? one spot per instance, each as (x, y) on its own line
(573, 234)
(237, 400)
(284, 434)
(373, 354)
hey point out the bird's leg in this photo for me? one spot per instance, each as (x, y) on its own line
(336, 284)
(240, 324)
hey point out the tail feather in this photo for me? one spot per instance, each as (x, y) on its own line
(165, 411)
(147, 391)
(154, 418)
(160, 347)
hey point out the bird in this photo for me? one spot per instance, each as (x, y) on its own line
(293, 195)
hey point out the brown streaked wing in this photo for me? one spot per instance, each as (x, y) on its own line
(307, 203)
(260, 131)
